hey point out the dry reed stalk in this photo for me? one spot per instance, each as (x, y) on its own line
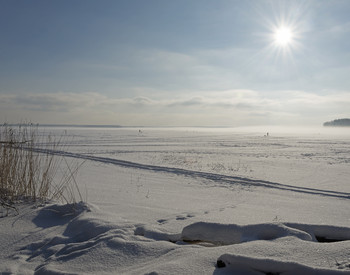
(28, 167)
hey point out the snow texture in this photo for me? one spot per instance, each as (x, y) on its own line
(190, 201)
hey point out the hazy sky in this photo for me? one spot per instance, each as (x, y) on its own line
(176, 63)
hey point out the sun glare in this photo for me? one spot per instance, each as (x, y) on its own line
(284, 28)
(283, 36)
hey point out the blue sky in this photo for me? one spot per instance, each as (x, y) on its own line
(174, 63)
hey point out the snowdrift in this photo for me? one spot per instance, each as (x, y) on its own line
(78, 242)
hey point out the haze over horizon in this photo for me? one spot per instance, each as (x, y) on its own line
(174, 63)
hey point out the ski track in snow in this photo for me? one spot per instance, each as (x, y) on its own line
(230, 180)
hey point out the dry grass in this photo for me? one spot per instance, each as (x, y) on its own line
(29, 170)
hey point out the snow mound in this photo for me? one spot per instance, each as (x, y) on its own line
(73, 239)
(156, 234)
(57, 214)
(323, 233)
(226, 234)
(229, 234)
(252, 265)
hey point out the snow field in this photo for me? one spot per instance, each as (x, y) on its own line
(157, 204)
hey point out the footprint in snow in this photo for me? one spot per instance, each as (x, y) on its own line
(184, 217)
(178, 218)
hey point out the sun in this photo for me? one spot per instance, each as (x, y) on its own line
(283, 36)
(285, 30)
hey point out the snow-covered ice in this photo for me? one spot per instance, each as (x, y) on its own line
(192, 201)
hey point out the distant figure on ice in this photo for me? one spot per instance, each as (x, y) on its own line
(267, 134)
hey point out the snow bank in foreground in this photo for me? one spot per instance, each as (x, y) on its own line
(232, 234)
(74, 239)
(252, 265)
(226, 234)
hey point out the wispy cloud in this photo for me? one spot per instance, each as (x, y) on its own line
(60, 102)
(230, 108)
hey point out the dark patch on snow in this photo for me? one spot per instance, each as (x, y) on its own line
(322, 239)
(220, 264)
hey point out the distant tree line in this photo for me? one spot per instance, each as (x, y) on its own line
(343, 122)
